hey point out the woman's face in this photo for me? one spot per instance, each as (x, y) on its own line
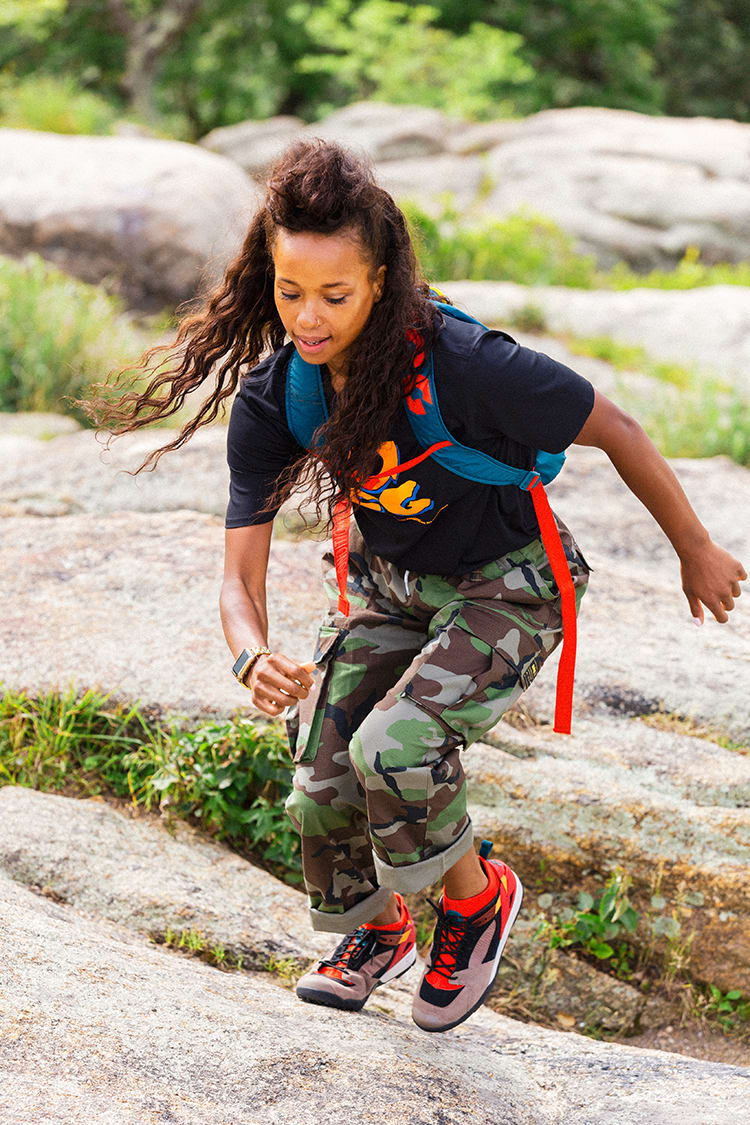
(324, 293)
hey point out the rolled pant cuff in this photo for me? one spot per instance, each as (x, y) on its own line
(413, 877)
(357, 915)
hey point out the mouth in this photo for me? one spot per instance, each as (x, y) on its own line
(312, 343)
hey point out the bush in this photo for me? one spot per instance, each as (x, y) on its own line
(231, 777)
(393, 52)
(688, 274)
(527, 248)
(57, 336)
(54, 105)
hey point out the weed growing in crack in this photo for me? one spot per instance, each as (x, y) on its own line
(597, 923)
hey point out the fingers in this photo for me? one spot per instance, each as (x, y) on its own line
(277, 682)
(695, 608)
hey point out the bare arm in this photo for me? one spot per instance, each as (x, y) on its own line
(709, 574)
(242, 604)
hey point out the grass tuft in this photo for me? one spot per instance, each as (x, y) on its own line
(231, 777)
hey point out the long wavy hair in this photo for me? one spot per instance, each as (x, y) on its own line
(319, 187)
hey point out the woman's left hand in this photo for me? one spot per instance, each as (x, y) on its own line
(712, 576)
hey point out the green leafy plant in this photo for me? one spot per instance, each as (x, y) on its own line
(232, 778)
(731, 1009)
(525, 247)
(57, 336)
(54, 105)
(597, 925)
(394, 52)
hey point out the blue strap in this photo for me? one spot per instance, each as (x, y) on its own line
(429, 429)
(306, 409)
(305, 399)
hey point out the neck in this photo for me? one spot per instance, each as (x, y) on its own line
(337, 377)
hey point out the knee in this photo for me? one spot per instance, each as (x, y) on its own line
(295, 806)
(402, 737)
(368, 744)
(362, 755)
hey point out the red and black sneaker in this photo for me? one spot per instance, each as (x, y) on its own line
(466, 951)
(365, 958)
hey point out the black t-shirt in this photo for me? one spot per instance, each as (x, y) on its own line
(494, 394)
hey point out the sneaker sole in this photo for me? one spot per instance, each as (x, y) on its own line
(331, 1000)
(501, 946)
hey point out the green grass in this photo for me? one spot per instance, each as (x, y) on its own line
(231, 777)
(58, 104)
(57, 337)
(530, 248)
(706, 418)
(54, 105)
(527, 248)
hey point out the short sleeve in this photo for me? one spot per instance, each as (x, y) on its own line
(536, 400)
(259, 447)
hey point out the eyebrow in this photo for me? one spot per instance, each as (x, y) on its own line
(328, 285)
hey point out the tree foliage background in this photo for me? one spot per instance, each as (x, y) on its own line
(187, 66)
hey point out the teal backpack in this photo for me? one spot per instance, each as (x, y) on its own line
(306, 409)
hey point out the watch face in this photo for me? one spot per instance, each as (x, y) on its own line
(240, 662)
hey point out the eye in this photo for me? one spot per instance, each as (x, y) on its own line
(288, 296)
(335, 300)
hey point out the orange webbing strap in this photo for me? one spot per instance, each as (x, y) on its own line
(556, 555)
(341, 514)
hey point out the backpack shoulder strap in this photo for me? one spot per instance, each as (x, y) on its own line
(430, 430)
(427, 423)
(304, 399)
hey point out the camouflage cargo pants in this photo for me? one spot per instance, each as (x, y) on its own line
(422, 666)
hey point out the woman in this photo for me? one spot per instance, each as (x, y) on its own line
(448, 605)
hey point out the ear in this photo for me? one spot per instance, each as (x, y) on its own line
(380, 282)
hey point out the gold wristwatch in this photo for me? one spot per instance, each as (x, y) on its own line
(245, 661)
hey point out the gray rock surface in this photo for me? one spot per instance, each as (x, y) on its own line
(619, 793)
(130, 599)
(100, 1026)
(150, 217)
(254, 145)
(124, 865)
(630, 185)
(386, 132)
(129, 602)
(626, 185)
(708, 326)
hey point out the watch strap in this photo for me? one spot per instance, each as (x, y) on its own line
(245, 661)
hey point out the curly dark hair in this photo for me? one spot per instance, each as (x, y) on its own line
(320, 187)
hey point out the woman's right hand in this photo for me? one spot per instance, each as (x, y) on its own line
(276, 682)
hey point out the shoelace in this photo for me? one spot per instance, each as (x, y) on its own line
(352, 950)
(448, 942)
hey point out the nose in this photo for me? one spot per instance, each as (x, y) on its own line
(308, 316)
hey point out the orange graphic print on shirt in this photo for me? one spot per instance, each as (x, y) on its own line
(383, 493)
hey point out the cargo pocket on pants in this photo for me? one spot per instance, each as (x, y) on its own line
(308, 715)
(476, 673)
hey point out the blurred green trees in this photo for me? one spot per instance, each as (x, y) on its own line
(187, 66)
